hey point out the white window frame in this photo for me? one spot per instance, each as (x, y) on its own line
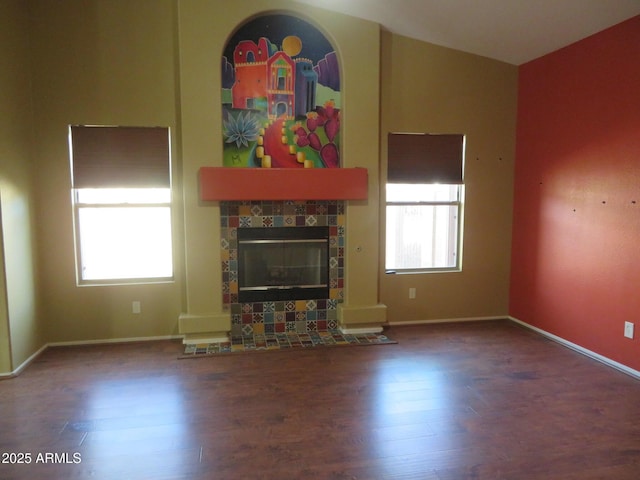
(79, 205)
(455, 232)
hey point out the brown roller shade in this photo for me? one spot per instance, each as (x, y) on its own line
(114, 157)
(425, 158)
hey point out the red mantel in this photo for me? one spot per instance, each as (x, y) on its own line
(229, 183)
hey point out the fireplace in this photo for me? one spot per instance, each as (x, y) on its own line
(287, 263)
(280, 316)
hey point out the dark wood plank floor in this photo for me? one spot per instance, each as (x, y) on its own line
(487, 400)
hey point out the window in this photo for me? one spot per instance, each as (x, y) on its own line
(121, 194)
(424, 197)
(422, 226)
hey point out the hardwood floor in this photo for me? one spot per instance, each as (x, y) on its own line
(487, 400)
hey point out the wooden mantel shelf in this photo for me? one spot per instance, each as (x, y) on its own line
(229, 183)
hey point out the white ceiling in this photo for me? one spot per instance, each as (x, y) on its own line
(513, 31)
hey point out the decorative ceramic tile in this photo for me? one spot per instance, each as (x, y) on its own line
(271, 341)
(280, 317)
(269, 307)
(258, 328)
(256, 210)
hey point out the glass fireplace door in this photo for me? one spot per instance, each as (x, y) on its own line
(283, 267)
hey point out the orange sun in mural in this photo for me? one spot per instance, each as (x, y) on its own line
(291, 45)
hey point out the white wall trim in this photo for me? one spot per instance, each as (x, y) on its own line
(589, 353)
(359, 330)
(447, 320)
(24, 364)
(113, 340)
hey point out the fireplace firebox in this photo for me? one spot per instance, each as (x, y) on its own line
(283, 263)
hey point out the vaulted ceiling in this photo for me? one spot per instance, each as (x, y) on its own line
(512, 31)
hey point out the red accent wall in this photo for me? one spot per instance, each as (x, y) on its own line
(576, 235)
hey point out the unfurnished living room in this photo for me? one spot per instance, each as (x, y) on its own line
(296, 239)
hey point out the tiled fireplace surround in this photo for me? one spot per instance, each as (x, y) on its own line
(282, 316)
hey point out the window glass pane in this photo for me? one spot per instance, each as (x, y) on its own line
(420, 192)
(123, 195)
(421, 236)
(125, 242)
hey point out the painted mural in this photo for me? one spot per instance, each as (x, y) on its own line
(280, 96)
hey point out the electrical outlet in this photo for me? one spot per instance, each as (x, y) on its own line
(412, 293)
(628, 329)
(135, 307)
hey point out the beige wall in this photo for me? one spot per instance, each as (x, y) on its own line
(427, 88)
(106, 63)
(204, 29)
(20, 332)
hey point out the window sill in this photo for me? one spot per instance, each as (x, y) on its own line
(116, 282)
(423, 271)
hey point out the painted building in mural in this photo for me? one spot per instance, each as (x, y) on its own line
(270, 80)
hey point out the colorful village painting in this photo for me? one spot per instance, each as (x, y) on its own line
(280, 96)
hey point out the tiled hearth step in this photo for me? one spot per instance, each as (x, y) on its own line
(279, 341)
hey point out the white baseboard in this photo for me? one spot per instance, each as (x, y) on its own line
(24, 364)
(113, 340)
(447, 320)
(584, 351)
(359, 330)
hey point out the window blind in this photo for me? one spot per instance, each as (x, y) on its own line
(120, 157)
(425, 158)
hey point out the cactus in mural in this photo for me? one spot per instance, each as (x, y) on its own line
(327, 117)
(241, 129)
